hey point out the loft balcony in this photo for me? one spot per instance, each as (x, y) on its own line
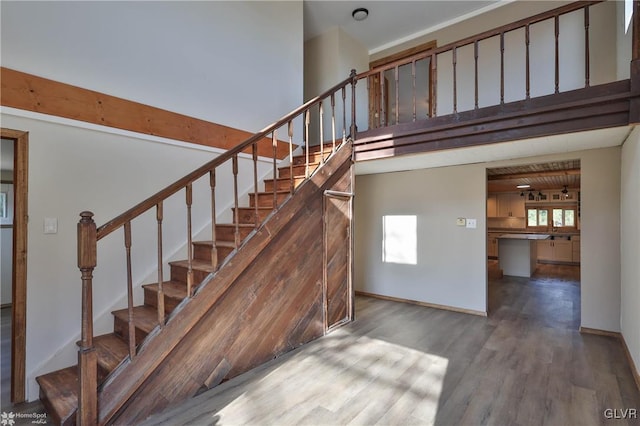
(553, 73)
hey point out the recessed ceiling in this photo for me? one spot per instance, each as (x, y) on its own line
(388, 21)
(540, 177)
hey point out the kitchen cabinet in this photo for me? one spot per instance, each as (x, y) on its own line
(510, 205)
(575, 252)
(555, 250)
(492, 245)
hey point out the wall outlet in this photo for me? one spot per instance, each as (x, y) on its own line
(461, 221)
(471, 223)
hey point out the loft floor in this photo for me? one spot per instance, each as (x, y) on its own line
(404, 364)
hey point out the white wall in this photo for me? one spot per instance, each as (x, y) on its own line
(630, 243)
(451, 267)
(328, 59)
(235, 63)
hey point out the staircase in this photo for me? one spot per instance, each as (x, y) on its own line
(59, 389)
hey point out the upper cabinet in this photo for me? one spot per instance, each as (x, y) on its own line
(509, 205)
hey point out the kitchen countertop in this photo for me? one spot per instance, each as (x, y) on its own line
(524, 236)
(522, 231)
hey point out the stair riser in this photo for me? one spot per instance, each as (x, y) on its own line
(121, 328)
(282, 185)
(266, 199)
(151, 299)
(55, 418)
(227, 232)
(247, 215)
(203, 252)
(179, 273)
(285, 172)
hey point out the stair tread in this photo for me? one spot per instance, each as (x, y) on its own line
(170, 288)
(61, 390)
(111, 350)
(145, 317)
(195, 264)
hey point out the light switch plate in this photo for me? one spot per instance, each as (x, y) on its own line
(461, 221)
(471, 223)
(50, 225)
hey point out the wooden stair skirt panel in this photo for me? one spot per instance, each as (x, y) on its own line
(253, 309)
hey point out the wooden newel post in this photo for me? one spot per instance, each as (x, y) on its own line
(87, 361)
(354, 80)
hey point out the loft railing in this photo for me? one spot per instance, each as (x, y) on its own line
(390, 83)
(89, 234)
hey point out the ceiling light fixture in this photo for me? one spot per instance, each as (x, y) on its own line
(523, 186)
(360, 14)
(565, 191)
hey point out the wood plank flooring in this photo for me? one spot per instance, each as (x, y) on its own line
(526, 364)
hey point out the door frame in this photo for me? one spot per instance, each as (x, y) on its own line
(19, 273)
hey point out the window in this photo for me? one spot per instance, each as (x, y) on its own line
(537, 217)
(400, 239)
(563, 217)
(557, 217)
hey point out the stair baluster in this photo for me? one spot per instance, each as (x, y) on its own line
(274, 144)
(306, 143)
(160, 299)
(130, 323)
(254, 149)
(321, 119)
(214, 248)
(236, 218)
(291, 179)
(189, 196)
(344, 115)
(333, 122)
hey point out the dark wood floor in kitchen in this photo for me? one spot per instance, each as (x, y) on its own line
(525, 364)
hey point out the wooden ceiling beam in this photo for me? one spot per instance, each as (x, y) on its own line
(533, 175)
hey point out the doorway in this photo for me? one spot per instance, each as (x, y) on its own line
(15, 220)
(541, 204)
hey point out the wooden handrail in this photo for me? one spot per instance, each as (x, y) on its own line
(572, 7)
(165, 193)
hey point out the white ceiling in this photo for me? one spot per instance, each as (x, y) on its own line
(389, 22)
(500, 151)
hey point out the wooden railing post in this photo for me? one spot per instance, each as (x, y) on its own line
(87, 360)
